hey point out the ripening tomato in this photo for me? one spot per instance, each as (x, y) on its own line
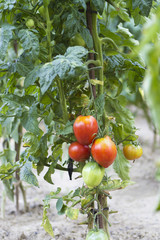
(79, 152)
(99, 234)
(92, 174)
(104, 151)
(132, 152)
(85, 129)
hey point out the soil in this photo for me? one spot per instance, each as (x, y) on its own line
(136, 217)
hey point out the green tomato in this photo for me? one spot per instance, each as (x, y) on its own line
(77, 40)
(97, 235)
(92, 174)
(30, 23)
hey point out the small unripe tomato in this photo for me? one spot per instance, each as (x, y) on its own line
(132, 152)
(79, 152)
(104, 151)
(92, 174)
(30, 23)
(85, 129)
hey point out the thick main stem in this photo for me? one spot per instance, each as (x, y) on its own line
(62, 100)
(92, 25)
(98, 50)
(48, 30)
(17, 149)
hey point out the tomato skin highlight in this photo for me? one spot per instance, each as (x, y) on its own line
(132, 152)
(79, 152)
(92, 174)
(85, 129)
(97, 235)
(104, 151)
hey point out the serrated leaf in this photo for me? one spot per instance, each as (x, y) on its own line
(47, 74)
(76, 53)
(144, 6)
(99, 5)
(29, 120)
(6, 34)
(68, 129)
(32, 76)
(27, 175)
(81, 2)
(87, 37)
(121, 166)
(30, 43)
(115, 184)
(72, 213)
(24, 100)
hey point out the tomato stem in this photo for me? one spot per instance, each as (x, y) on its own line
(48, 30)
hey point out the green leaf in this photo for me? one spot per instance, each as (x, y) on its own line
(46, 224)
(49, 173)
(72, 213)
(68, 129)
(115, 184)
(9, 189)
(81, 2)
(87, 37)
(121, 166)
(30, 43)
(6, 34)
(7, 4)
(59, 204)
(27, 175)
(99, 5)
(144, 6)
(8, 155)
(32, 76)
(24, 100)
(29, 120)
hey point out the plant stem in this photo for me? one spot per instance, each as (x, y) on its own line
(98, 49)
(17, 149)
(90, 55)
(62, 100)
(48, 30)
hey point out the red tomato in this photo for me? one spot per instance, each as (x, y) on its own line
(79, 152)
(132, 152)
(85, 129)
(104, 151)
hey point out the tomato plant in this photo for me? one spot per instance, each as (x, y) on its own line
(132, 152)
(92, 174)
(104, 151)
(55, 91)
(97, 235)
(85, 129)
(79, 152)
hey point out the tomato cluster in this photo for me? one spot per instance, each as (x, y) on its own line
(103, 150)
